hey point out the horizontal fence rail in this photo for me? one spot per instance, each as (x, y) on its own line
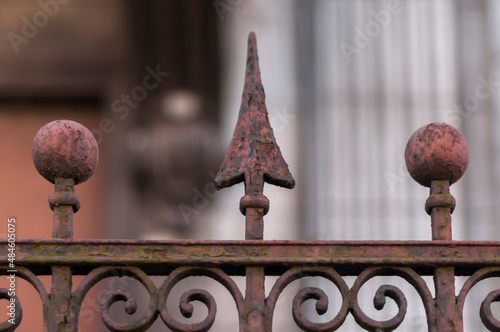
(66, 154)
(159, 257)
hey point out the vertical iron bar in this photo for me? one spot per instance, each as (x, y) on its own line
(63, 214)
(254, 223)
(254, 205)
(60, 316)
(440, 215)
(447, 313)
(255, 278)
(255, 299)
(440, 205)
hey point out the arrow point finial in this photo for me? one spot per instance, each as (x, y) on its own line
(253, 154)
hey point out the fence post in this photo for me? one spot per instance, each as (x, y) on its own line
(436, 157)
(65, 153)
(254, 157)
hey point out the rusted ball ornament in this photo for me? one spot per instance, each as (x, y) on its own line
(65, 149)
(436, 152)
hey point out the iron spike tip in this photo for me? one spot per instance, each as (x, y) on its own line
(252, 74)
(253, 154)
(252, 44)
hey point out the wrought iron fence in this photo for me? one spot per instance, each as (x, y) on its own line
(66, 154)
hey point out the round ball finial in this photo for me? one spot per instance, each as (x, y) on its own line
(436, 152)
(65, 149)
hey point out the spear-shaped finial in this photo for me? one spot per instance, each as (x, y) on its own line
(253, 155)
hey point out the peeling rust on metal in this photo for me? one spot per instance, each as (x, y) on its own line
(65, 149)
(253, 155)
(65, 154)
(436, 152)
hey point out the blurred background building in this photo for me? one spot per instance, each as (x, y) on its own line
(159, 83)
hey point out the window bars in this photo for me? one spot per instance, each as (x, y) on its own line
(66, 154)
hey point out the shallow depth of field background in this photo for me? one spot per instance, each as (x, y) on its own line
(347, 83)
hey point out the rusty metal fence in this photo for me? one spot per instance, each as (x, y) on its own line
(66, 154)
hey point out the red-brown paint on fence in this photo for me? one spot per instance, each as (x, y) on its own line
(65, 154)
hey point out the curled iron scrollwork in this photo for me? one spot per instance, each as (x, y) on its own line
(485, 313)
(196, 295)
(24, 273)
(308, 293)
(14, 321)
(112, 296)
(489, 321)
(392, 292)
